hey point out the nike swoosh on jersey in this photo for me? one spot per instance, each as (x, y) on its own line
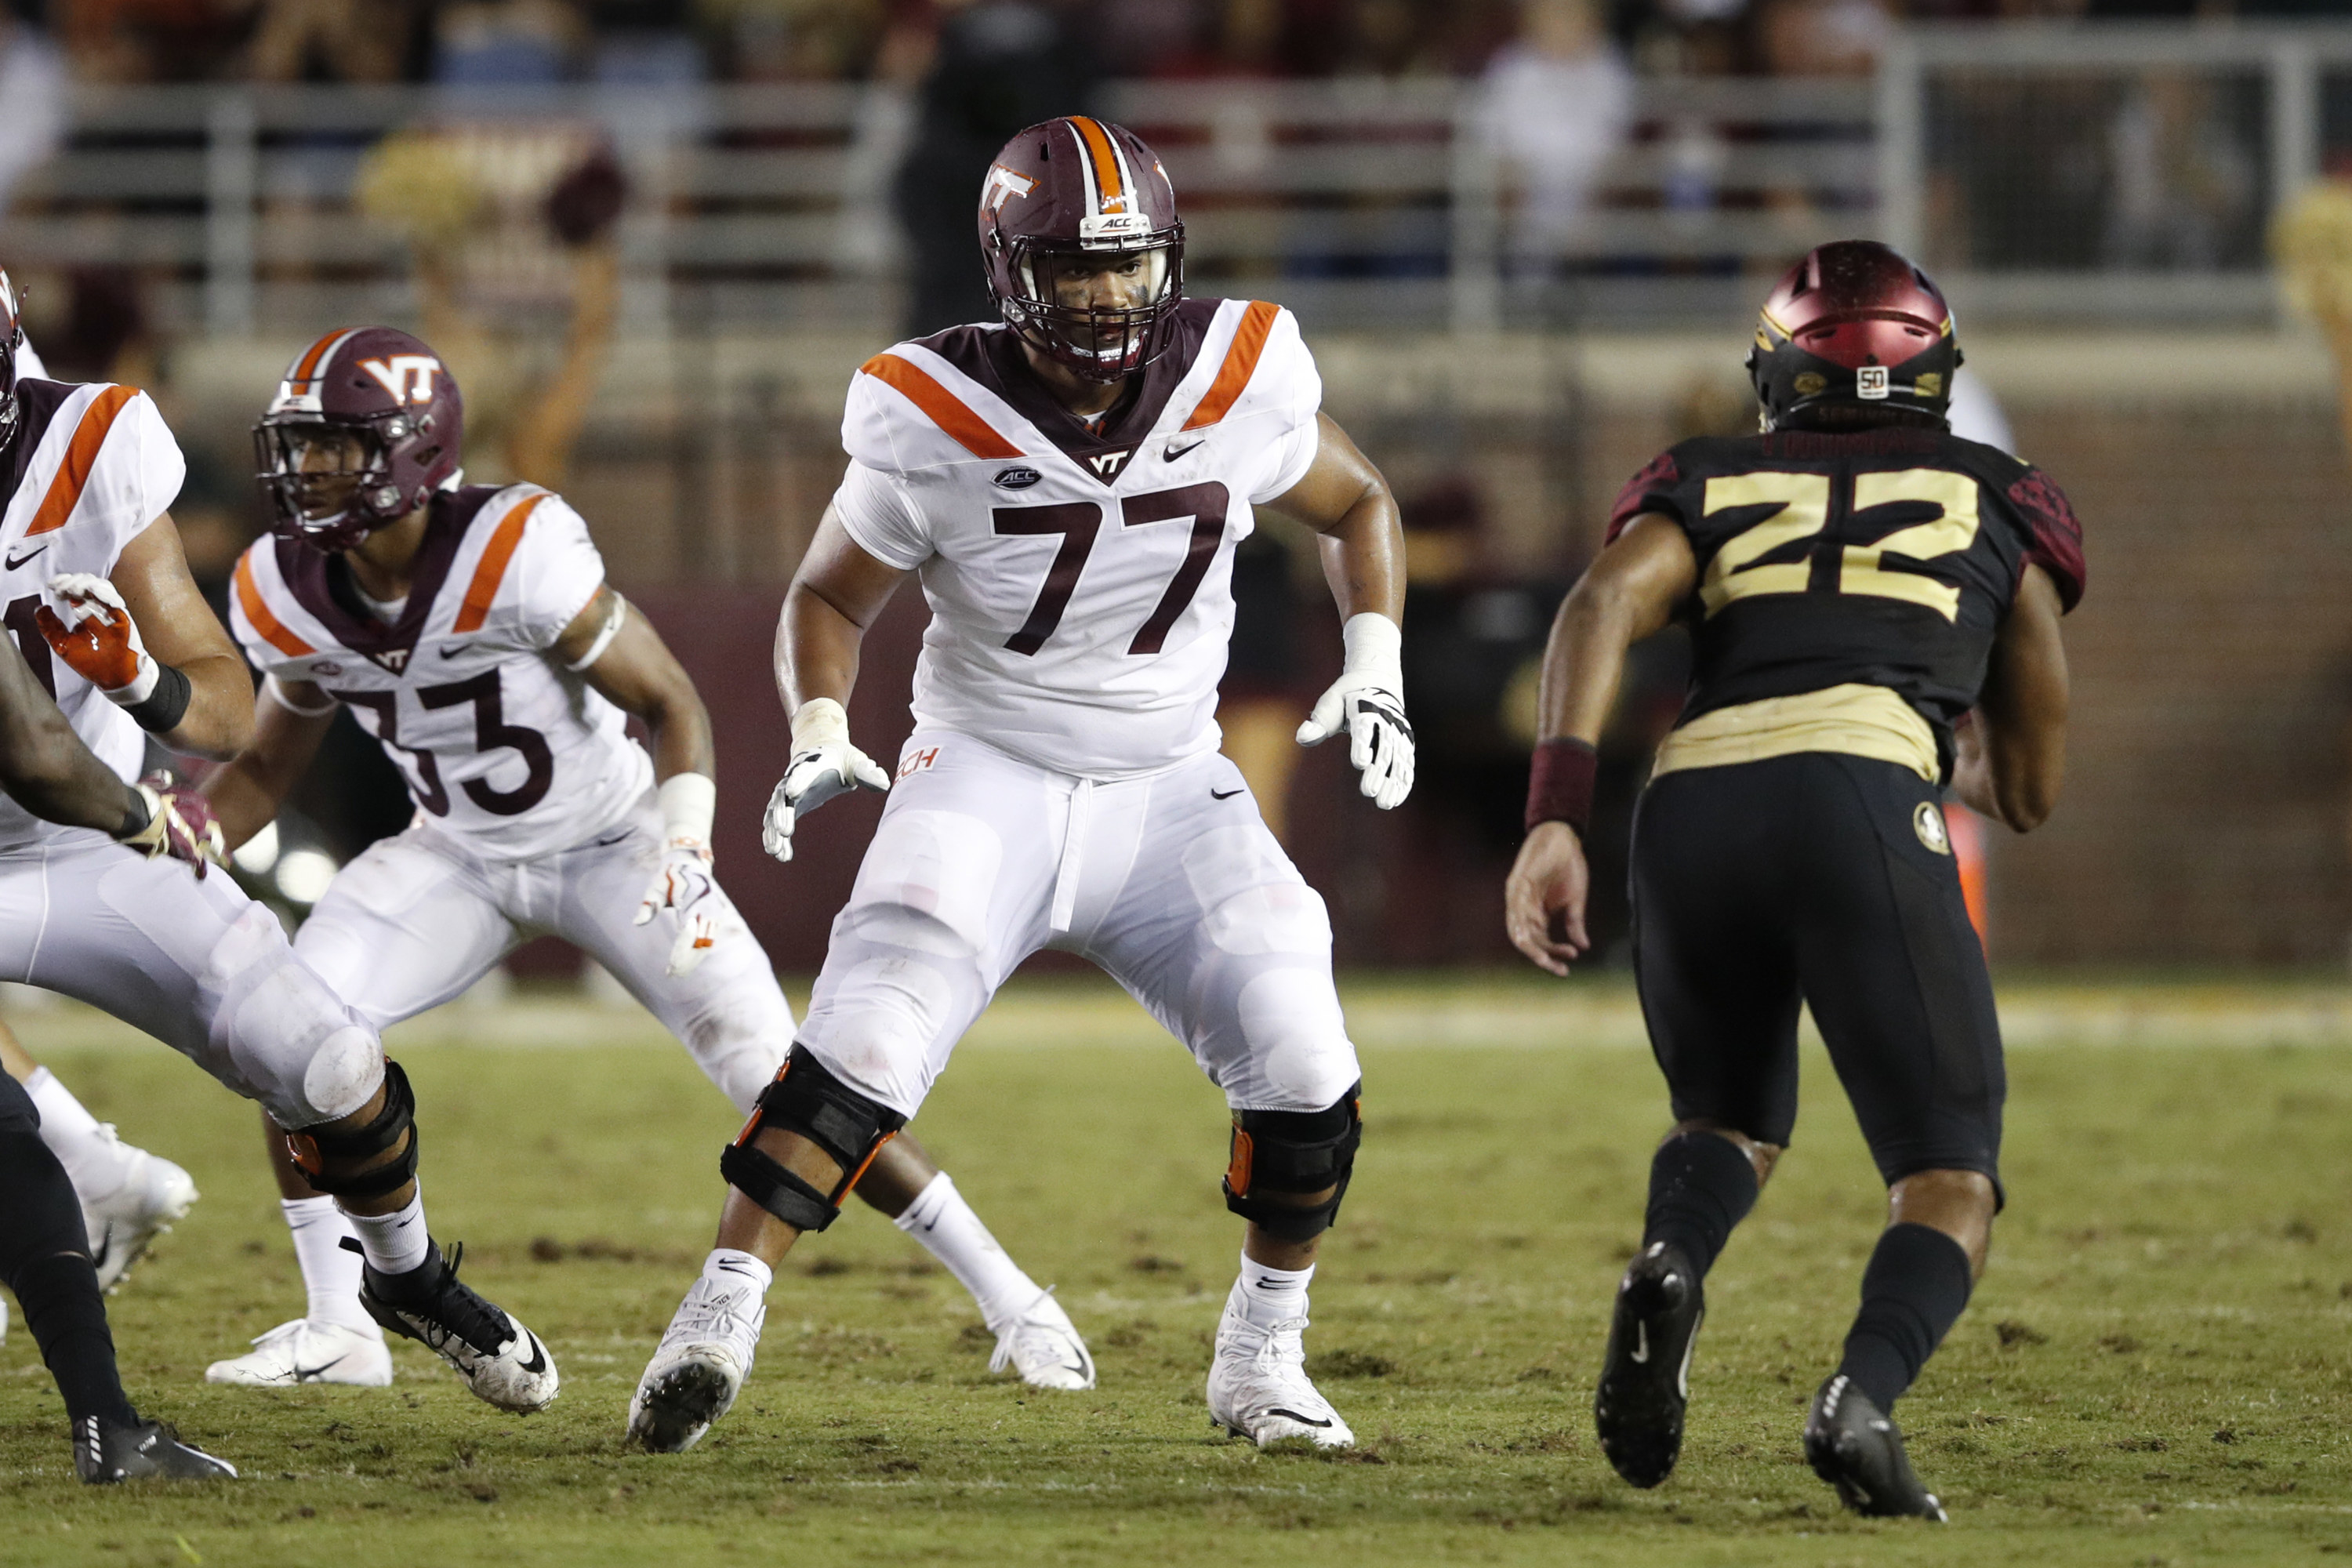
(1226, 794)
(14, 562)
(1170, 453)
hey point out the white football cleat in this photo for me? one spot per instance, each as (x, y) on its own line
(304, 1351)
(503, 1363)
(151, 1196)
(700, 1367)
(1042, 1345)
(1258, 1387)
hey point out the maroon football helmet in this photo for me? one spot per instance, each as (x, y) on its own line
(366, 425)
(12, 333)
(1853, 327)
(1077, 194)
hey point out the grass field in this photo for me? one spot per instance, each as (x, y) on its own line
(2154, 1371)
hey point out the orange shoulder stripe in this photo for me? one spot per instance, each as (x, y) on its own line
(942, 408)
(273, 630)
(81, 456)
(1240, 363)
(492, 567)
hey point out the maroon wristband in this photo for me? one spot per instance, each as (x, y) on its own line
(1559, 783)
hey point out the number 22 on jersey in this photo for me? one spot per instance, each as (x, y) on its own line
(1739, 572)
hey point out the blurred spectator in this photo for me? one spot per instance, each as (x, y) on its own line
(506, 43)
(1557, 105)
(2183, 188)
(333, 40)
(997, 65)
(1823, 37)
(794, 40)
(151, 40)
(105, 335)
(33, 90)
(644, 43)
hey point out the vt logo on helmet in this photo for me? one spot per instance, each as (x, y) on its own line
(1083, 250)
(12, 333)
(1853, 332)
(366, 425)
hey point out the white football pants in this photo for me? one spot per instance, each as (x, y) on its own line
(197, 964)
(418, 918)
(1171, 883)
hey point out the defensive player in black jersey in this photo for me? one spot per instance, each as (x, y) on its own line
(1873, 605)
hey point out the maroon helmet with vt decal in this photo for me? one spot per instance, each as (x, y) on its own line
(1851, 328)
(366, 425)
(1076, 197)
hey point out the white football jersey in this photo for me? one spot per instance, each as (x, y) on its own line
(501, 745)
(1080, 578)
(90, 467)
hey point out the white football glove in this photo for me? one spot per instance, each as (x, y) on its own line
(1368, 702)
(682, 883)
(823, 764)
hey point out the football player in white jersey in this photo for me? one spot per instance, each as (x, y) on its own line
(472, 629)
(1069, 485)
(128, 1195)
(97, 592)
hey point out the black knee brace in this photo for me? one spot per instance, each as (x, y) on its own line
(1293, 1151)
(809, 1100)
(314, 1146)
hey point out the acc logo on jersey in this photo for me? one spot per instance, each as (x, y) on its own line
(408, 377)
(1928, 822)
(1017, 478)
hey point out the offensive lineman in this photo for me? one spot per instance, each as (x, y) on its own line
(91, 574)
(474, 627)
(1874, 608)
(1069, 484)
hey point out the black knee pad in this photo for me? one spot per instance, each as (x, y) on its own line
(312, 1147)
(1293, 1151)
(809, 1100)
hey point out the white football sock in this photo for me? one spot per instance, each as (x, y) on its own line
(951, 1232)
(394, 1243)
(93, 1162)
(331, 1271)
(731, 1268)
(1265, 1296)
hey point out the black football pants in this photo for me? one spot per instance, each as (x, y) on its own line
(1817, 877)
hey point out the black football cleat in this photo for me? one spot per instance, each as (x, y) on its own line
(106, 1452)
(1645, 1376)
(1859, 1451)
(503, 1363)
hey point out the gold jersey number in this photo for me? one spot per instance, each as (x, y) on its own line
(1802, 503)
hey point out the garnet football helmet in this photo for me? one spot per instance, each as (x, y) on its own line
(12, 333)
(1074, 195)
(1853, 327)
(366, 425)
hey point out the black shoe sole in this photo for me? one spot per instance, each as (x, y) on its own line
(1638, 1409)
(681, 1409)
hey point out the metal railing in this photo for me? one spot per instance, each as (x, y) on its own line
(1361, 202)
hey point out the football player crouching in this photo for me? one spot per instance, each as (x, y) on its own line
(1070, 483)
(471, 629)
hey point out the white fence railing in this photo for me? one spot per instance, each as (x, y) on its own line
(2079, 171)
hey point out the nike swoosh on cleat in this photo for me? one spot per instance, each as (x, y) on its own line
(1641, 1344)
(305, 1374)
(1226, 794)
(15, 561)
(538, 1362)
(1294, 1415)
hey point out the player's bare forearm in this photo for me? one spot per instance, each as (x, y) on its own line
(44, 765)
(834, 598)
(1627, 593)
(2014, 766)
(637, 672)
(1343, 498)
(180, 629)
(246, 794)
